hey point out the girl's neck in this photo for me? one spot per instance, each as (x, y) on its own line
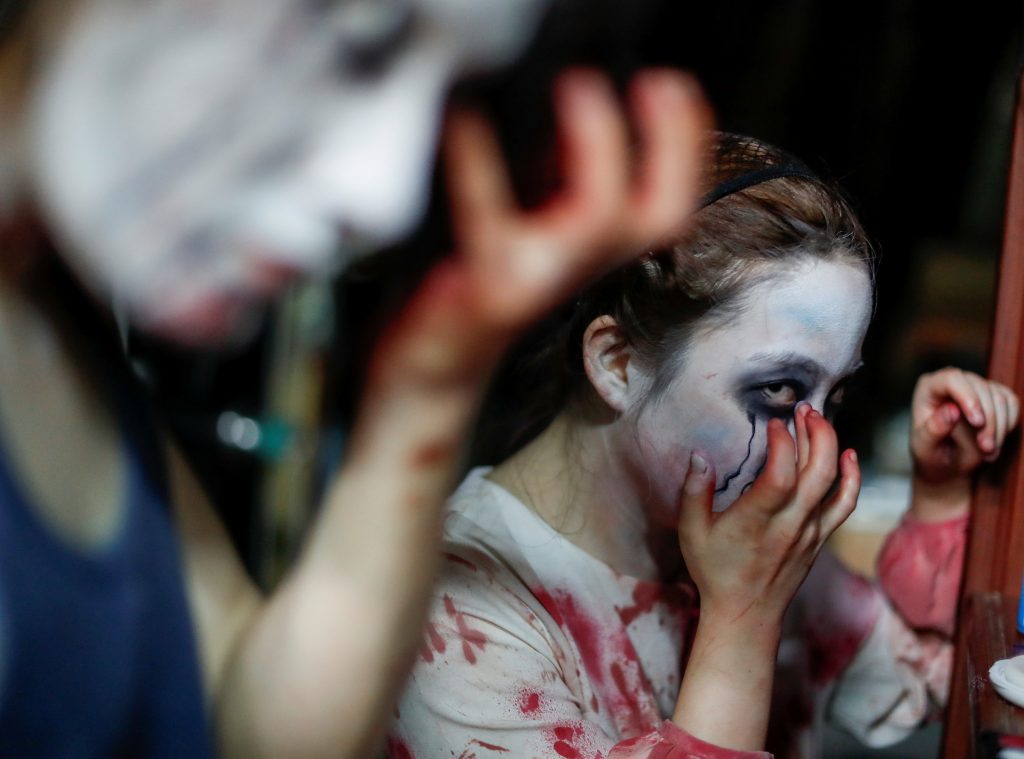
(570, 476)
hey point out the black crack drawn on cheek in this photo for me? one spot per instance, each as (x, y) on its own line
(750, 444)
(757, 474)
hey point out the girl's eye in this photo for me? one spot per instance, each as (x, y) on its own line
(835, 401)
(779, 395)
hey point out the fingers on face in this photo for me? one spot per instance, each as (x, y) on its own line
(775, 487)
(803, 440)
(820, 471)
(842, 503)
(697, 495)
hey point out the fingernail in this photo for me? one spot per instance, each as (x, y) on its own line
(853, 456)
(977, 417)
(803, 408)
(694, 484)
(988, 442)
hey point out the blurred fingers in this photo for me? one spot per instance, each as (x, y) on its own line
(986, 435)
(953, 383)
(940, 423)
(673, 121)
(478, 184)
(595, 143)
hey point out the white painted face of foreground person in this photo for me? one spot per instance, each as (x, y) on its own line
(196, 155)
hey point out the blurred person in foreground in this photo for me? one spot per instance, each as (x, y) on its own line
(189, 159)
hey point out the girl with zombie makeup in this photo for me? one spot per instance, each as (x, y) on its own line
(642, 578)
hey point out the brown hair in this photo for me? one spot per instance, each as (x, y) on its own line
(741, 236)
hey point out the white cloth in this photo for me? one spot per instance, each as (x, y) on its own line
(536, 649)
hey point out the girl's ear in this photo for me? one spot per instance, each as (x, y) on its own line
(610, 364)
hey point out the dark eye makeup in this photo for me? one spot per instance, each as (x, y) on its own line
(778, 398)
(774, 389)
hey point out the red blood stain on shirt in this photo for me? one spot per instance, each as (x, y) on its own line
(583, 629)
(565, 740)
(425, 653)
(398, 750)
(433, 642)
(678, 598)
(629, 696)
(459, 560)
(435, 638)
(529, 701)
(549, 604)
(631, 742)
(489, 746)
(645, 595)
(470, 637)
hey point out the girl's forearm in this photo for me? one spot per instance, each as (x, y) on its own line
(727, 687)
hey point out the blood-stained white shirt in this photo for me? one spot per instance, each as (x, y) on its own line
(534, 648)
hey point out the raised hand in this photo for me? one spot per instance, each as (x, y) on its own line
(512, 265)
(959, 421)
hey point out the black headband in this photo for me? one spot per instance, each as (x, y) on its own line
(752, 178)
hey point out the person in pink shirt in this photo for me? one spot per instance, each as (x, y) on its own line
(645, 577)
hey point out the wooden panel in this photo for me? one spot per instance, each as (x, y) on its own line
(990, 635)
(995, 552)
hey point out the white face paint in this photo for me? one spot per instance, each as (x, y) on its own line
(797, 339)
(196, 155)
